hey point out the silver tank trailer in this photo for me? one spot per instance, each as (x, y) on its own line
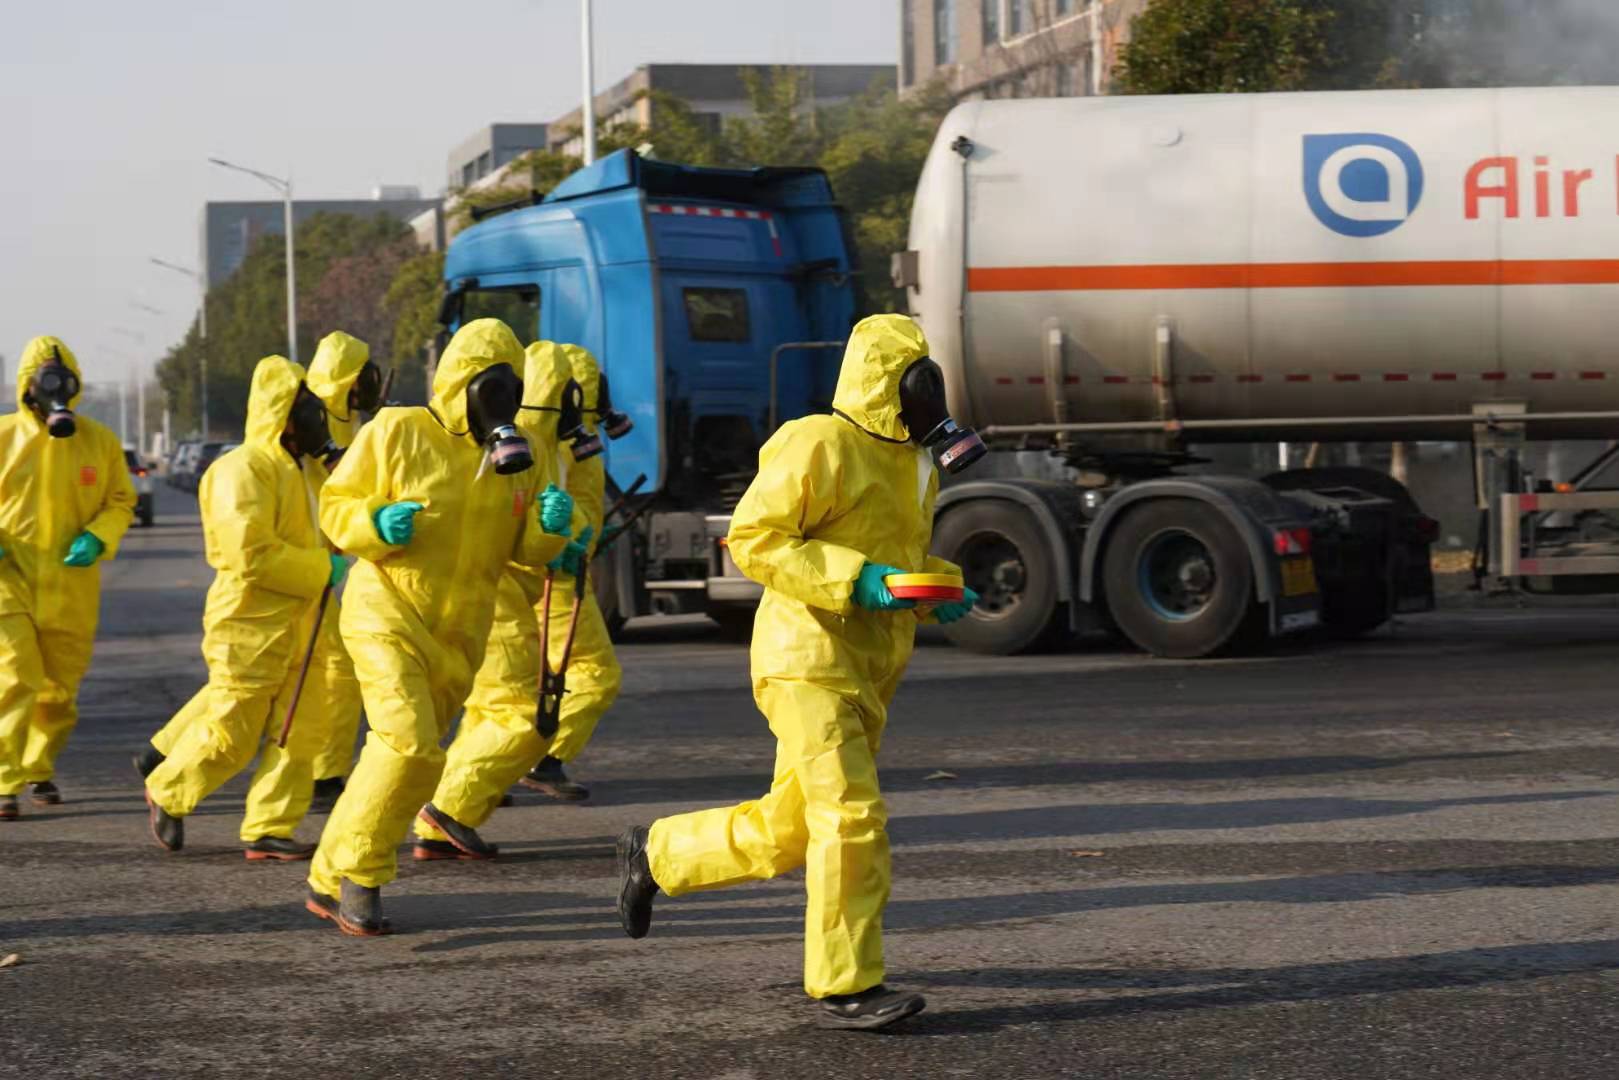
(1398, 260)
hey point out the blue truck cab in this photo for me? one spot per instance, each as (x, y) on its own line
(716, 300)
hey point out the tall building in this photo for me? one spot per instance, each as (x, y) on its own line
(229, 229)
(714, 92)
(1013, 48)
(491, 149)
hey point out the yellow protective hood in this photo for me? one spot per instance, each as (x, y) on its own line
(35, 355)
(338, 361)
(880, 349)
(587, 373)
(476, 347)
(269, 401)
(545, 373)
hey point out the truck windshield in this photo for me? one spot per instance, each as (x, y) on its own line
(518, 308)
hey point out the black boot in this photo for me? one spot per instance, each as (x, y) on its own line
(464, 838)
(326, 793)
(45, 793)
(8, 808)
(873, 1008)
(636, 889)
(168, 830)
(147, 760)
(548, 779)
(277, 848)
(359, 912)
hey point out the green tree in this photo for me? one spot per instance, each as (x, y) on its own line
(247, 313)
(413, 300)
(1225, 46)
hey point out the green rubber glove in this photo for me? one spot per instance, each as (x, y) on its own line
(609, 534)
(396, 522)
(870, 592)
(572, 553)
(340, 570)
(949, 613)
(556, 510)
(86, 549)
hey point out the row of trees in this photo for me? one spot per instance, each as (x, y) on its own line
(1238, 46)
(370, 279)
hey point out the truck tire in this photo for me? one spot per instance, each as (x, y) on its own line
(1179, 581)
(1005, 558)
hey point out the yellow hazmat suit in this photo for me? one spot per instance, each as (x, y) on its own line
(51, 490)
(417, 617)
(328, 714)
(830, 496)
(593, 673)
(498, 741)
(258, 518)
(339, 359)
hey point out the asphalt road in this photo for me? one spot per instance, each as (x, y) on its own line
(1389, 859)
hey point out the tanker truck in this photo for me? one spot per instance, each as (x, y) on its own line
(1114, 284)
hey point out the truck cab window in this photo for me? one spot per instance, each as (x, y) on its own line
(718, 314)
(517, 308)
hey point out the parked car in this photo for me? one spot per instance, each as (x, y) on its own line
(181, 462)
(141, 476)
(206, 456)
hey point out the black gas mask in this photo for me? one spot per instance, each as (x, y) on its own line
(615, 423)
(51, 395)
(366, 393)
(571, 423)
(493, 398)
(926, 415)
(310, 432)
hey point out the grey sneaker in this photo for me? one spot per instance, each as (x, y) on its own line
(873, 1008)
(464, 838)
(548, 778)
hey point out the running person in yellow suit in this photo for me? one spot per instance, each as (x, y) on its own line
(434, 502)
(341, 374)
(839, 503)
(593, 671)
(65, 502)
(258, 519)
(498, 740)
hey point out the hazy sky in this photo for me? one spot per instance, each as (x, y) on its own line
(108, 109)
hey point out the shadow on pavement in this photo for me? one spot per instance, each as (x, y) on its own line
(1216, 988)
(738, 786)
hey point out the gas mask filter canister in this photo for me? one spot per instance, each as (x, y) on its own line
(926, 415)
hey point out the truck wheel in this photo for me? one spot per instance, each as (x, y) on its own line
(1005, 558)
(1179, 581)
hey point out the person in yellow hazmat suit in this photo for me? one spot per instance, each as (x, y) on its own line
(498, 740)
(340, 375)
(346, 380)
(839, 503)
(434, 502)
(593, 673)
(67, 502)
(270, 569)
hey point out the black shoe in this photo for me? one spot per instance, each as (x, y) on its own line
(868, 1010)
(45, 793)
(358, 914)
(8, 808)
(147, 761)
(326, 793)
(168, 830)
(277, 848)
(636, 889)
(548, 779)
(464, 838)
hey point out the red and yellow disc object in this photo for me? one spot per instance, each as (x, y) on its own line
(926, 588)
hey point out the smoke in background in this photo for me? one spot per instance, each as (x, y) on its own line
(1510, 43)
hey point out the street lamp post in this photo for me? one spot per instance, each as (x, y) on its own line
(588, 113)
(285, 187)
(202, 331)
(140, 396)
